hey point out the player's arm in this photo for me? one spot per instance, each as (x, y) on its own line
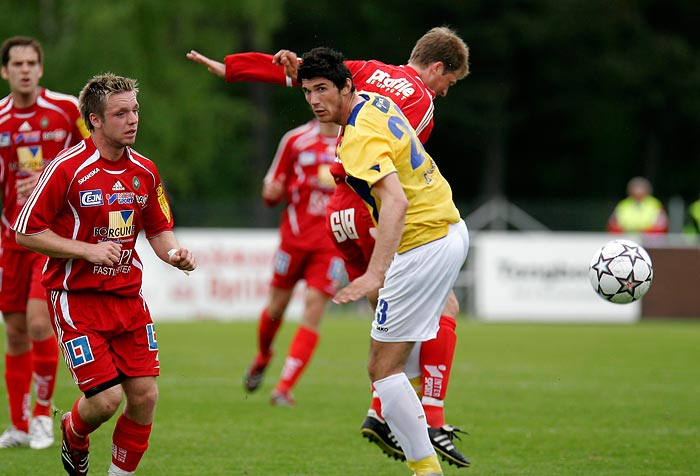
(50, 244)
(392, 216)
(240, 67)
(167, 248)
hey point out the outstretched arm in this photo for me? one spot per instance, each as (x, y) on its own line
(246, 67)
(216, 67)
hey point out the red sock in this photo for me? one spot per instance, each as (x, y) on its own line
(300, 352)
(45, 362)
(267, 330)
(129, 443)
(376, 404)
(436, 365)
(18, 381)
(81, 429)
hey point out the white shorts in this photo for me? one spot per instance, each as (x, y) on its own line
(416, 287)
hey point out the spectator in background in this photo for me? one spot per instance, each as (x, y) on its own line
(693, 222)
(86, 214)
(300, 177)
(640, 212)
(35, 125)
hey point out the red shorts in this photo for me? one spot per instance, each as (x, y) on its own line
(20, 279)
(322, 269)
(349, 224)
(104, 337)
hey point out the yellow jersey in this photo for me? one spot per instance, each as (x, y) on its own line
(378, 140)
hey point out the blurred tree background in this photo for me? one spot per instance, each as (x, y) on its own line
(566, 100)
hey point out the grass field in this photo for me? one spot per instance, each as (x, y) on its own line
(539, 400)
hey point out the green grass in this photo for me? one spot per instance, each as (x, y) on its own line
(537, 400)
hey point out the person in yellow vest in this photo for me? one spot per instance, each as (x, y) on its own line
(692, 225)
(640, 212)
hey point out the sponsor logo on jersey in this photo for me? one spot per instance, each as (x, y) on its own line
(30, 158)
(118, 187)
(5, 139)
(388, 85)
(30, 137)
(163, 202)
(307, 158)
(24, 127)
(91, 198)
(121, 198)
(88, 176)
(381, 103)
(58, 135)
(121, 225)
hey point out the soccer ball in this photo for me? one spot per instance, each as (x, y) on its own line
(621, 271)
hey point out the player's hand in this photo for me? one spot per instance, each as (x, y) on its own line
(25, 185)
(273, 189)
(107, 253)
(289, 60)
(182, 259)
(359, 288)
(216, 67)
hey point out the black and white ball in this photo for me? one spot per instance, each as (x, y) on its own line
(621, 271)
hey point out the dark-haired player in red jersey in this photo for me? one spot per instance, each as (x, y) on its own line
(438, 60)
(86, 212)
(35, 125)
(299, 176)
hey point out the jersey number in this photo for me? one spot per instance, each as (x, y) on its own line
(398, 127)
(343, 225)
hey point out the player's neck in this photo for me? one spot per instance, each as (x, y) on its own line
(108, 150)
(25, 100)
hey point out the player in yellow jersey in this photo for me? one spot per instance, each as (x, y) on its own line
(421, 241)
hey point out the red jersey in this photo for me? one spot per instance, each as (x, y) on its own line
(302, 164)
(402, 84)
(85, 197)
(29, 138)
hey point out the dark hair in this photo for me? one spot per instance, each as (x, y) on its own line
(322, 62)
(20, 41)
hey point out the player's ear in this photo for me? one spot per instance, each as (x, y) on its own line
(349, 86)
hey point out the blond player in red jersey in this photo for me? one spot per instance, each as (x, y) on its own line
(299, 177)
(86, 213)
(438, 60)
(35, 125)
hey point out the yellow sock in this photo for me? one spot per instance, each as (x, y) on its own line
(429, 466)
(417, 383)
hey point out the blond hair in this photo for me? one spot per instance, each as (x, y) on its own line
(93, 97)
(444, 45)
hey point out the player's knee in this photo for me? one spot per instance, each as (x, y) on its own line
(451, 306)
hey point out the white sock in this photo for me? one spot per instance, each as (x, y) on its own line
(117, 471)
(412, 368)
(404, 413)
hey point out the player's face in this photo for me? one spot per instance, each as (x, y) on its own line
(23, 70)
(325, 99)
(439, 81)
(121, 119)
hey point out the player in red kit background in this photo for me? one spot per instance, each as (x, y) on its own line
(299, 176)
(438, 60)
(85, 214)
(35, 125)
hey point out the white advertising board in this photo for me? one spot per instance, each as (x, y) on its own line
(540, 277)
(231, 281)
